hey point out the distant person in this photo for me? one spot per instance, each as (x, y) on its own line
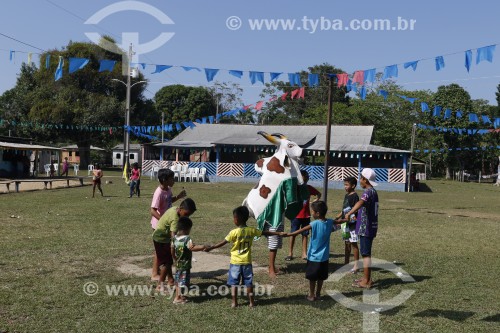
(96, 179)
(162, 200)
(65, 167)
(366, 224)
(182, 248)
(52, 169)
(304, 217)
(349, 228)
(318, 252)
(240, 267)
(135, 180)
(165, 231)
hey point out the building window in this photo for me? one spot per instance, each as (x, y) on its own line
(131, 156)
(70, 153)
(118, 155)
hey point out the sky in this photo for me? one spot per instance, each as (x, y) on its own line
(206, 35)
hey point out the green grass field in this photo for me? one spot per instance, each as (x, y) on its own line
(445, 239)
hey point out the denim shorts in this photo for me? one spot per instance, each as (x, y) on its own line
(299, 224)
(365, 246)
(238, 273)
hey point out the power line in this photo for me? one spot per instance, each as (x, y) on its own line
(17, 40)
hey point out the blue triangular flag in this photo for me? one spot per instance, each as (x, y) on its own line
(107, 65)
(294, 79)
(210, 73)
(437, 111)
(178, 127)
(485, 53)
(161, 68)
(447, 114)
(473, 118)
(486, 119)
(188, 68)
(468, 59)
(412, 64)
(383, 93)
(59, 70)
(236, 73)
(411, 99)
(47, 61)
(439, 63)
(274, 76)
(313, 80)
(204, 120)
(459, 114)
(77, 64)
(390, 71)
(424, 107)
(369, 75)
(362, 92)
(211, 119)
(256, 76)
(12, 55)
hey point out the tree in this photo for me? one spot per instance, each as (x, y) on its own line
(85, 99)
(182, 103)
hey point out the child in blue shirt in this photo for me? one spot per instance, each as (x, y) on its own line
(318, 251)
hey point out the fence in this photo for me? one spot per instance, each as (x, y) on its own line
(247, 170)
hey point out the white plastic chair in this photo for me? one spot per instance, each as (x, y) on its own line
(194, 174)
(76, 168)
(182, 174)
(202, 174)
(176, 168)
(154, 171)
(91, 169)
(46, 168)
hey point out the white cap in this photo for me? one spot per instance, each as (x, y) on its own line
(370, 175)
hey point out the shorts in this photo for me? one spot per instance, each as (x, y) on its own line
(97, 181)
(299, 223)
(274, 242)
(365, 246)
(239, 273)
(354, 235)
(183, 278)
(163, 254)
(317, 271)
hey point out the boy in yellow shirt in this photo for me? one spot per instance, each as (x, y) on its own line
(240, 267)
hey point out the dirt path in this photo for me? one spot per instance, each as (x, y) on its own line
(34, 186)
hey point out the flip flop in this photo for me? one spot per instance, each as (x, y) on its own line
(357, 285)
(289, 258)
(182, 301)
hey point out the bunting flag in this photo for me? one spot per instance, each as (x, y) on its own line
(468, 59)
(342, 79)
(302, 93)
(383, 93)
(294, 79)
(486, 119)
(441, 150)
(412, 64)
(473, 118)
(313, 80)
(12, 55)
(256, 76)
(459, 131)
(485, 53)
(447, 114)
(390, 71)
(294, 93)
(210, 73)
(424, 107)
(236, 73)
(359, 77)
(161, 68)
(189, 68)
(47, 61)
(274, 76)
(369, 75)
(437, 111)
(258, 105)
(362, 93)
(283, 97)
(439, 63)
(59, 70)
(106, 65)
(458, 114)
(77, 64)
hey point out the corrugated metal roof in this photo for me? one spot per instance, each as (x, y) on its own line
(76, 147)
(343, 138)
(23, 146)
(134, 146)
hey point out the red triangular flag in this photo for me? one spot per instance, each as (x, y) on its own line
(258, 106)
(246, 107)
(273, 98)
(302, 92)
(295, 93)
(359, 77)
(342, 79)
(283, 97)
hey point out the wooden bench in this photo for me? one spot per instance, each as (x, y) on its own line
(45, 181)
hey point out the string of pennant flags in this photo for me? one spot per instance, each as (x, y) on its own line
(442, 150)
(358, 79)
(460, 131)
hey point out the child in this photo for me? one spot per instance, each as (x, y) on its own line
(351, 242)
(96, 179)
(65, 167)
(164, 232)
(182, 253)
(366, 224)
(319, 249)
(162, 200)
(240, 267)
(135, 180)
(52, 169)
(304, 217)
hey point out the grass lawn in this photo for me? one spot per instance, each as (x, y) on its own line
(445, 239)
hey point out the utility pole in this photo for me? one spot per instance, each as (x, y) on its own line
(413, 132)
(162, 132)
(126, 146)
(328, 134)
